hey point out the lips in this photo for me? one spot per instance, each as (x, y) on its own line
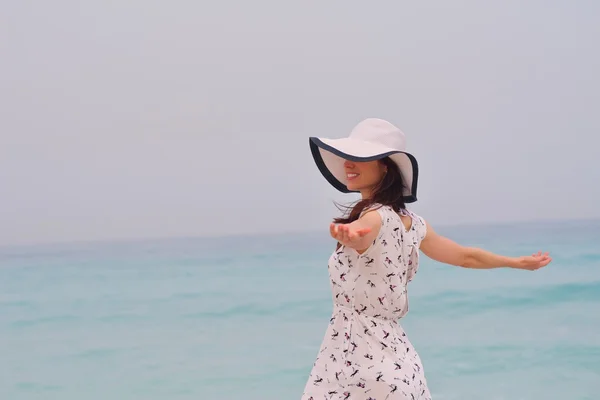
(352, 176)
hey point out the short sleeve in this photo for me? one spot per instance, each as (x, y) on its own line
(421, 229)
(383, 211)
(418, 229)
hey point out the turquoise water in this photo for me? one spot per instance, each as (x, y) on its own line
(242, 318)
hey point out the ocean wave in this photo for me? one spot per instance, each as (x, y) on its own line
(15, 303)
(244, 310)
(96, 353)
(545, 296)
(37, 387)
(122, 317)
(264, 375)
(588, 257)
(58, 319)
(486, 358)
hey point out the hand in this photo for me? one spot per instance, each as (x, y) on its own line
(347, 235)
(533, 262)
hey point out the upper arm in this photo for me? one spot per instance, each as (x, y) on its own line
(442, 249)
(371, 220)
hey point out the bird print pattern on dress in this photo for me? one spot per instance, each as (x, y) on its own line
(365, 354)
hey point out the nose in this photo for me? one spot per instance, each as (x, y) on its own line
(348, 164)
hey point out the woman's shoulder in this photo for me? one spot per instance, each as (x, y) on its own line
(386, 213)
(412, 214)
(375, 207)
(389, 216)
(419, 225)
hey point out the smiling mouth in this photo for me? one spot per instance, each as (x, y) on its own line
(351, 176)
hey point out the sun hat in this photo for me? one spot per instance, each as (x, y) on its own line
(372, 139)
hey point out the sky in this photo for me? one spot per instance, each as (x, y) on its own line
(139, 119)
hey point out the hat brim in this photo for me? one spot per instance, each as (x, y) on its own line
(330, 154)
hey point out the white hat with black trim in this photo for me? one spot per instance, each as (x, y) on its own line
(372, 139)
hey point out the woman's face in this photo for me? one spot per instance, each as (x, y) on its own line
(364, 176)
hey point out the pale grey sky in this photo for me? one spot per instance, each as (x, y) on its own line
(123, 119)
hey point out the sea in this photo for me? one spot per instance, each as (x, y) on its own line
(242, 317)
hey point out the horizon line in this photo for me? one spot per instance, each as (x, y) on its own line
(138, 239)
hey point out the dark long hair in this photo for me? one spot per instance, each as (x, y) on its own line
(389, 192)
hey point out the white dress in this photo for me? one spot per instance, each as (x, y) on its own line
(365, 354)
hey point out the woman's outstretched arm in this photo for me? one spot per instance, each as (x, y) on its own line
(442, 249)
(359, 234)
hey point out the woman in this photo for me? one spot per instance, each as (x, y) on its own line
(365, 354)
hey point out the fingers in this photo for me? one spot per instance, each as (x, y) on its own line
(363, 232)
(349, 234)
(343, 233)
(537, 260)
(547, 260)
(335, 231)
(356, 234)
(338, 232)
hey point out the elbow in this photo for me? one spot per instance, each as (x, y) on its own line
(467, 259)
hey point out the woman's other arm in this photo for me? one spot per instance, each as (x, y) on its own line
(442, 249)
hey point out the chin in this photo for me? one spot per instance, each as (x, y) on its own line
(353, 186)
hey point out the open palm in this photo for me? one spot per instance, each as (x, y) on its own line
(346, 234)
(534, 262)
